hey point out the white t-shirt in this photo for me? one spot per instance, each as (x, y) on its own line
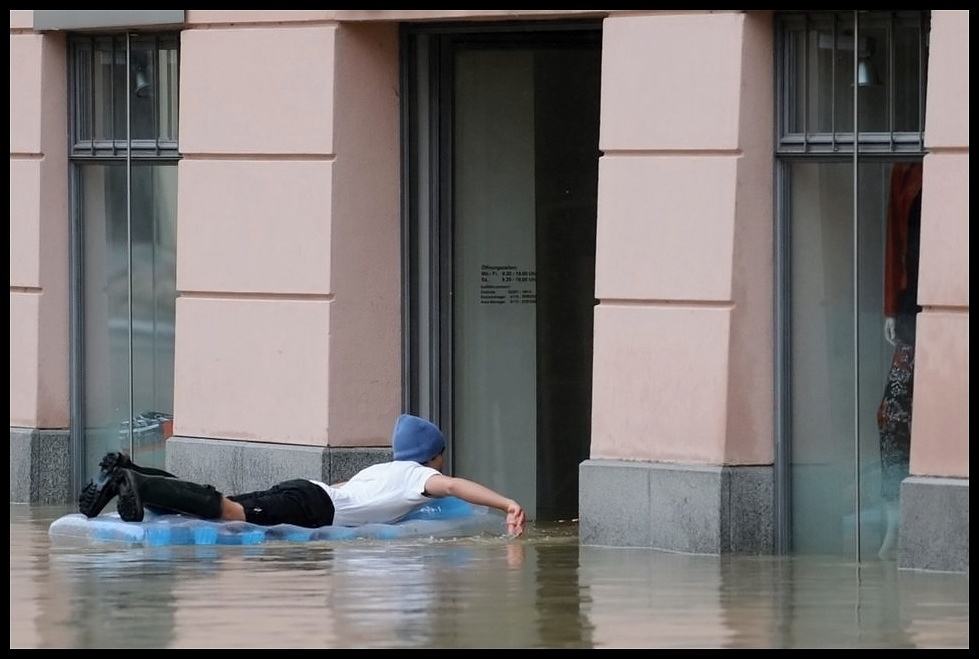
(380, 494)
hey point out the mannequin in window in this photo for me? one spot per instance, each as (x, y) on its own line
(900, 314)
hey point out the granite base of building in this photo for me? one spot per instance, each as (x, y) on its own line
(687, 508)
(934, 524)
(234, 467)
(40, 466)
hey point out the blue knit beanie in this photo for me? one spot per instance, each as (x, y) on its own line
(416, 439)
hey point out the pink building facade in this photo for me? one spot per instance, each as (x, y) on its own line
(592, 245)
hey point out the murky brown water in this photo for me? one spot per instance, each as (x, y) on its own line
(541, 591)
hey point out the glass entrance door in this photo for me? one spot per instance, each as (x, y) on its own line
(494, 302)
(502, 244)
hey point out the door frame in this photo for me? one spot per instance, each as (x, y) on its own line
(436, 184)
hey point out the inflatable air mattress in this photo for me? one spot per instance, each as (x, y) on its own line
(442, 518)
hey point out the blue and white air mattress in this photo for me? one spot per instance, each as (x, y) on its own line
(442, 518)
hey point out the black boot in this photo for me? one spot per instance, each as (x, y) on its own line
(137, 491)
(94, 496)
(122, 461)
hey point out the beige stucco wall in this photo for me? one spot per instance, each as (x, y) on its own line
(38, 228)
(252, 16)
(683, 342)
(365, 325)
(288, 271)
(940, 421)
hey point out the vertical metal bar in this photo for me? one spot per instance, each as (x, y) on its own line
(91, 99)
(76, 329)
(71, 78)
(777, 62)
(783, 397)
(856, 270)
(891, 36)
(782, 104)
(805, 86)
(832, 111)
(154, 68)
(787, 87)
(154, 225)
(175, 90)
(112, 92)
(129, 233)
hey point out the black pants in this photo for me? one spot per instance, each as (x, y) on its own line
(298, 502)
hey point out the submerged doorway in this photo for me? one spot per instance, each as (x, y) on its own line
(501, 181)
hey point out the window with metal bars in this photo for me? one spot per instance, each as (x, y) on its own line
(123, 151)
(100, 78)
(817, 62)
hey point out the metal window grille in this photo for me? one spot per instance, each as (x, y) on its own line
(814, 53)
(98, 77)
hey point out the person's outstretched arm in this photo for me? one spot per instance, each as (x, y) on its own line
(443, 486)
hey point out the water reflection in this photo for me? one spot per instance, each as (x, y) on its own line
(745, 601)
(542, 591)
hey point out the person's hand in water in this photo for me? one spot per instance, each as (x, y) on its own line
(515, 519)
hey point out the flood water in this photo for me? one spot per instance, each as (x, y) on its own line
(543, 590)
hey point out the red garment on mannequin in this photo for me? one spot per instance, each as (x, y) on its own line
(905, 186)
